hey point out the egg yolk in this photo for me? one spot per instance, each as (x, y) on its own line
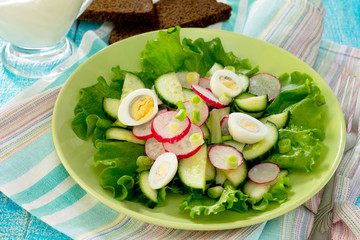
(249, 125)
(162, 170)
(142, 107)
(229, 83)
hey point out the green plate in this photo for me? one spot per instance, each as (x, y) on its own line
(76, 155)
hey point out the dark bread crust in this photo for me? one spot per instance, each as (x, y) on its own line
(189, 13)
(170, 13)
(116, 11)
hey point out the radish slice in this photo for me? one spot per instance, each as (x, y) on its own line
(219, 154)
(205, 83)
(142, 131)
(184, 148)
(224, 126)
(264, 172)
(153, 148)
(264, 83)
(166, 128)
(207, 96)
(202, 108)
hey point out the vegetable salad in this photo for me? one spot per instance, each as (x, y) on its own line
(202, 123)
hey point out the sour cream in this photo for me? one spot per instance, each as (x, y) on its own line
(37, 23)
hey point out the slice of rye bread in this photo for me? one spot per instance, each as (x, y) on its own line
(170, 13)
(115, 11)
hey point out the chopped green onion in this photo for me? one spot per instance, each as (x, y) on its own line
(174, 128)
(284, 145)
(226, 138)
(195, 100)
(232, 161)
(225, 99)
(231, 68)
(215, 192)
(181, 115)
(143, 163)
(196, 139)
(195, 117)
(180, 105)
(192, 78)
(120, 124)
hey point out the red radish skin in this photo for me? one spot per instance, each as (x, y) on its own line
(203, 109)
(153, 148)
(218, 155)
(263, 172)
(207, 96)
(224, 126)
(143, 131)
(160, 127)
(265, 83)
(183, 148)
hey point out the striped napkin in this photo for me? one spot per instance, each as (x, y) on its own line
(33, 177)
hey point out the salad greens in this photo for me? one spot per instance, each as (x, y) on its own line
(117, 159)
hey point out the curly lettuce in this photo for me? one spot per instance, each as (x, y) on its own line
(169, 54)
(235, 200)
(118, 162)
(199, 204)
(277, 194)
(305, 149)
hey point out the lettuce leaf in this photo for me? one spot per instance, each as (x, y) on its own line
(89, 109)
(163, 55)
(118, 160)
(277, 193)
(199, 204)
(168, 54)
(203, 55)
(306, 147)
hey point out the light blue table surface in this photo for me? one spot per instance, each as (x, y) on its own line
(342, 25)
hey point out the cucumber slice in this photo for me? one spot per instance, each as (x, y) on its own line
(188, 94)
(111, 107)
(255, 191)
(210, 171)
(252, 104)
(280, 120)
(236, 176)
(205, 131)
(122, 135)
(235, 108)
(213, 124)
(220, 177)
(149, 195)
(131, 83)
(169, 90)
(192, 170)
(246, 82)
(235, 144)
(262, 149)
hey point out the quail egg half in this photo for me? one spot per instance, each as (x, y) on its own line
(138, 107)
